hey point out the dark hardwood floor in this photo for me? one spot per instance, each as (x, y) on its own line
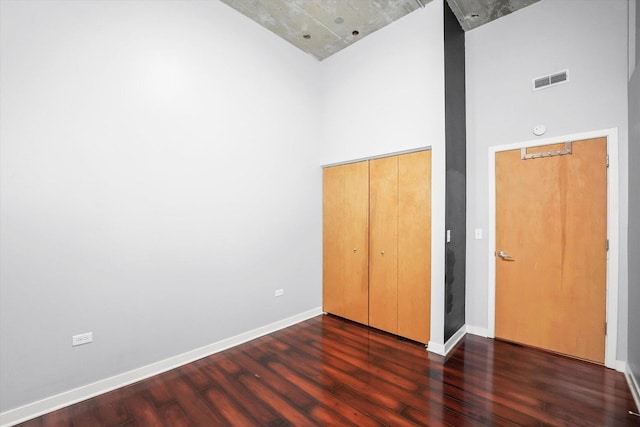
(328, 371)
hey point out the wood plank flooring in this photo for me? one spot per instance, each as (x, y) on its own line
(329, 371)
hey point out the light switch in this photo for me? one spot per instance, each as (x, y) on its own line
(478, 233)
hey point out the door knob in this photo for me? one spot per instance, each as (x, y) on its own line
(354, 249)
(382, 252)
(505, 255)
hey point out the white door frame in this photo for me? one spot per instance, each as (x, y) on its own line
(611, 337)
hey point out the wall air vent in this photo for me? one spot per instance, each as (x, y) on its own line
(551, 80)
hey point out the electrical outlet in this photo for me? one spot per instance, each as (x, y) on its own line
(81, 339)
(279, 292)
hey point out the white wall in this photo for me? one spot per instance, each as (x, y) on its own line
(634, 192)
(589, 39)
(159, 181)
(386, 94)
(160, 173)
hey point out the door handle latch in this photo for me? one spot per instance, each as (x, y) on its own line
(505, 256)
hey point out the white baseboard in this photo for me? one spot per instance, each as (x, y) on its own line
(444, 349)
(437, 348)
(475, 330)
(41, 407)
(633, 385)
(620, 366)
(455, 339)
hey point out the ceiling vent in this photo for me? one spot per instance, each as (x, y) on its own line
(551, 80)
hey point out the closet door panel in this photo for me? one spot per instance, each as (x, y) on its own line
(383, 238)
(356, 250)
(414, 246)
(333, 225)
(345, 241)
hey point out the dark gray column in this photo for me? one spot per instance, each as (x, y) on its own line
(456, 163)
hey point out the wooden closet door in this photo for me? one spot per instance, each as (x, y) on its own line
(383, 244)
(414, 246)
(345, 241)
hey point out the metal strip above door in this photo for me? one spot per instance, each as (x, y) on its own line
(525, 156)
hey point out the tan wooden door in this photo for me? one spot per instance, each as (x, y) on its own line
(383, 244)
(551, 218)
(345, 241)
(414, 246)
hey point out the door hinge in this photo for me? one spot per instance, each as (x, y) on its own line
(607, 245)
(605, 328)
(607, 160)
